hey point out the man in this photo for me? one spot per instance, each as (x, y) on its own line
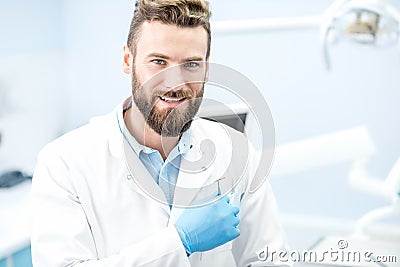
(121, 191)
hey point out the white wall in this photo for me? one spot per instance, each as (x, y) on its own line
(32, 81)
(95, 34)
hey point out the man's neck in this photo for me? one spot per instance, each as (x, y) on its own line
(146, 136)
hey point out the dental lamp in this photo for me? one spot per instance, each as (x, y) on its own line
(368, 22)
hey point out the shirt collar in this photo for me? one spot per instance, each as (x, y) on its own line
(184, 144)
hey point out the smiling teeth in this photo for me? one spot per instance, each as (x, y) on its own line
(166, 99)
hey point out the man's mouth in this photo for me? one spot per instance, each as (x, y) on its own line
(172, 101)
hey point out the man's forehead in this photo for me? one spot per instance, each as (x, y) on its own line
(170, 40)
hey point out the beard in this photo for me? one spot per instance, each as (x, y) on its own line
(168, 121)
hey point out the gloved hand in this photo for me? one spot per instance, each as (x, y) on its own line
(207, 227)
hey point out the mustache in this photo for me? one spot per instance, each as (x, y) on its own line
(175, 94)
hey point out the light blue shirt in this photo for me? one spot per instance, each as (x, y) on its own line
(165, 173)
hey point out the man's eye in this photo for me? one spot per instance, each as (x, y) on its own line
(159, 61)
(192, 64)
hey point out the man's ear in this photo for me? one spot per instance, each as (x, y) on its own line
(128, 60)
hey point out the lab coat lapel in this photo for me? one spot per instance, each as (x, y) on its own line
(141, 180)
(138, 179)
(218, 170)
(195, 171)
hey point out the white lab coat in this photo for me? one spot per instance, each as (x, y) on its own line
(89, 211)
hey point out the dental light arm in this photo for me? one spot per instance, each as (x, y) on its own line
(327, 27)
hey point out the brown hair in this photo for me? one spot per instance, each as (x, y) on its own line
(182, 13)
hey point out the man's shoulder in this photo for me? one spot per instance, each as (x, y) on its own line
(212, 129)
(85, 139)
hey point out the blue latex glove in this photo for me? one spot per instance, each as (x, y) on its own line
(205, 228)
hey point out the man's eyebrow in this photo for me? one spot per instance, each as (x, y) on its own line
(157, 55)
(194, 59)
(162, 56)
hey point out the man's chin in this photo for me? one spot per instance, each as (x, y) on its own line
(175, 132)
(170, 124)
(172, 121)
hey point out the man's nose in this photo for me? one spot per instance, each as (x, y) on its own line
(174, 78)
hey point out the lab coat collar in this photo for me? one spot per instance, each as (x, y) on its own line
(118, 128)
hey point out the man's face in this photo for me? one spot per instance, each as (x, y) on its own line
(168, 75)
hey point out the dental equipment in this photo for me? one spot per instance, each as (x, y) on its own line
(368, 22)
